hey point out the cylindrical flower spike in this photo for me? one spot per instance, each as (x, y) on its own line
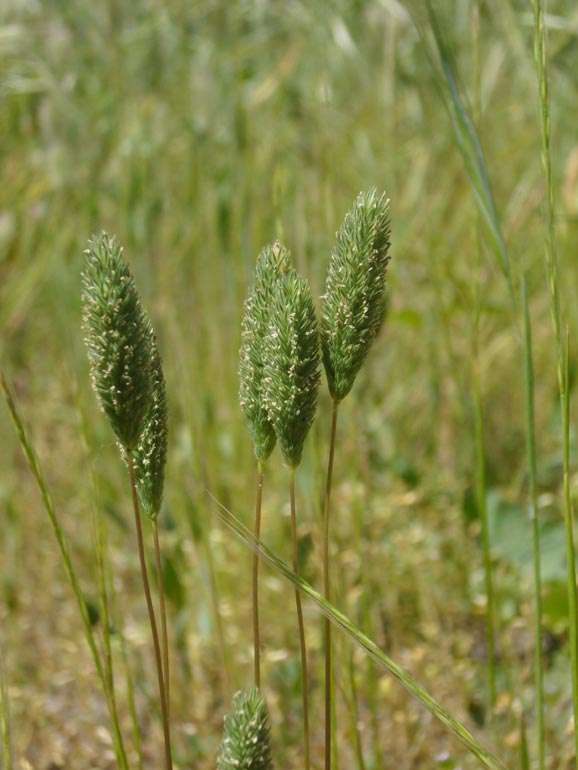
(246, 744)
(354, 300)
(271, 263)
(150, 455)
(291, 365)
(118, 337)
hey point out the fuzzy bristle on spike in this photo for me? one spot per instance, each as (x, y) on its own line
(291, 365)
(271, 263)
(246, 744)
(150, 455)
(354, 301)
(118, 338)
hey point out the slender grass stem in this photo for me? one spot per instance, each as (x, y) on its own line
(329, 683)
(302, 645)
(255, 578)
(541, 64)
(570, 554)
(163, 609)
(151, 613)
(34, 466)
(531, 443)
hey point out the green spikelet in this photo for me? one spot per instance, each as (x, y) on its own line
(291, 365)
(354, 300)
(272, 261)
(150, 456)
(246, 744)
(118, 337)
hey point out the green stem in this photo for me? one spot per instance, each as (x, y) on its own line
(329, 684)
(68, 566)
(541, 63)
(163, 609)
(531, 443)
(255, 578)
(151, 613)
(570, 555)
(302, 645)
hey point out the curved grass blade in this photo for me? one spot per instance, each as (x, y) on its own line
(488, 759)
(469, 147)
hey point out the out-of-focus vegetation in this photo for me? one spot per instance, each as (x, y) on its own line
(198, 132)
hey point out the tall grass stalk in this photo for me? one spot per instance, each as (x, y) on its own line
(255, 577)
(531, 443)
(163, 613)
(541, 64)
(271, 264)
(351, 317)
(330, 725)
(151, 614)
(358, 637)
(300, 623)
(290, 385)
(34, 466)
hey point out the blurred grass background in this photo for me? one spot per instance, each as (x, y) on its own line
(197, 132)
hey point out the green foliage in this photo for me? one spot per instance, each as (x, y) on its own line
(246, 744)
(118, 338)
(291, 364)
(354, 301)
(272, 261)
(150, 456)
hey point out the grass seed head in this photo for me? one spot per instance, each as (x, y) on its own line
(291, 365)
(150, 455)
(271, 263)
(118, 338)
(354, 301)
(246, 744)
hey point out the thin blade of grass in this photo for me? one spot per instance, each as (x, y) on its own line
(531, 443)
(338, 619)
(69, 567)
(470, 148)
(551, 258)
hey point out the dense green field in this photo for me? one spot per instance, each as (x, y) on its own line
(197, 132)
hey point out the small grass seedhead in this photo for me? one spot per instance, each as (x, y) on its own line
(271, 263)
(291, 365)
(354, 301)
(246, 744)
(118, 337)
(150, 455)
